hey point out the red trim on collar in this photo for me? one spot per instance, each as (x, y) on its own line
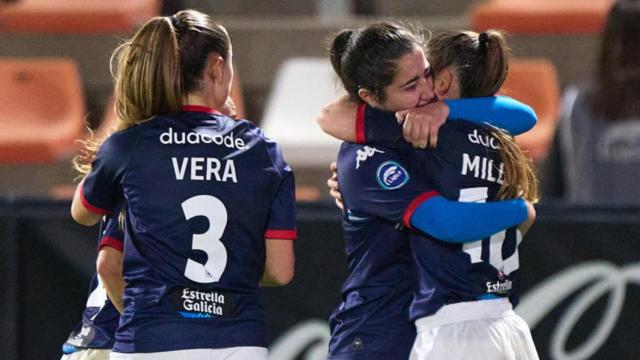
(200, 108)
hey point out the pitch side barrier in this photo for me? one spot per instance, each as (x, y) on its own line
(580, 270)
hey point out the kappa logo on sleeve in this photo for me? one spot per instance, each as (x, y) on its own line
(391, 175)
(365, 153)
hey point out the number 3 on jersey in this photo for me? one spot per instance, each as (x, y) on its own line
(474, 248)
(209, 241)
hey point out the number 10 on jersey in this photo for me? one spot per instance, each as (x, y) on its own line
(496, 241)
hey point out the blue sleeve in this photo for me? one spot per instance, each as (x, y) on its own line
(282, 216)
(379, 127)
(500, 111)
(101, 187)
(459, 222)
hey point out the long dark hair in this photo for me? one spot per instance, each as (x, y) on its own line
(366, 58)
(617, 83)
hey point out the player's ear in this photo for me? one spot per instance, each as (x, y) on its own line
(442, 82)
(368, 97)
(215, 67)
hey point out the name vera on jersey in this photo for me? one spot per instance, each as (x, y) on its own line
(204, 168)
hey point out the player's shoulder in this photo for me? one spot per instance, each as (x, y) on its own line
(388, 168)
(256, 139)
(133, 133)
(367, 156)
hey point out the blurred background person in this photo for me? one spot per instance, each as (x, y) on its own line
(596, 155)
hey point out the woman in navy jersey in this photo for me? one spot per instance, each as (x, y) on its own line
(93, 337)
(460, 305)
(210, 209)
(384, 65)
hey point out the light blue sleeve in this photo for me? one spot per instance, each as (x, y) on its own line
(459, 222)
(500, 111)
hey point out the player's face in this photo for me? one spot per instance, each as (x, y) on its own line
(412, 86)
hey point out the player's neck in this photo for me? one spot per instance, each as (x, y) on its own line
(199, 100)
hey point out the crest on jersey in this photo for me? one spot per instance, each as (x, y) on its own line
(392, 175)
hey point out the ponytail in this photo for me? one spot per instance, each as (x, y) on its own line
(481, 61)
(148, 76)
(495, 63)
(519, 179)
(337, 51)
(156, 68)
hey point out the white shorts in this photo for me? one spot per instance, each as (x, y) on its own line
(486, 329)
(88, 354)
(232, 353)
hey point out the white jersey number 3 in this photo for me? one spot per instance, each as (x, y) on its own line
(209, 241)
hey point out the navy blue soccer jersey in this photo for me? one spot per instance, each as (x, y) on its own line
(203, 191)
(100, 318)
(377, 186)
(466, 166)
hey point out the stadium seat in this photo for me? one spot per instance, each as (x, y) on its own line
(301, 89)
(535, 82)
(42, 109)
(75, 16)
(541, 16)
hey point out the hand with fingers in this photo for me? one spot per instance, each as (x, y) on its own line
(334, 189)
(420, 125)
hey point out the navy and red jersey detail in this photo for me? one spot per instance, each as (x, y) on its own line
(100, 318)
(203, 191)
(466, 166)
(377, 186)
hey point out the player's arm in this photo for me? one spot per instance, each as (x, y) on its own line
(407, 202)
(109, 268)
(420, 125)
(502, 112)
(338, 119)
(345, 120)
(97, 194)
(458, 222)
(280, 233)
(109, 262)
(81, 211)
(279, 264)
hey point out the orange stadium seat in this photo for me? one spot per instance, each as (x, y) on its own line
(42, 109)
(75, 16)
(535, 82)
(541, 16)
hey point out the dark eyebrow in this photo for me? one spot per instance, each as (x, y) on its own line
(415, 78)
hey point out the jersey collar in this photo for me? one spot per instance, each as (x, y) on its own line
(200, 108)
